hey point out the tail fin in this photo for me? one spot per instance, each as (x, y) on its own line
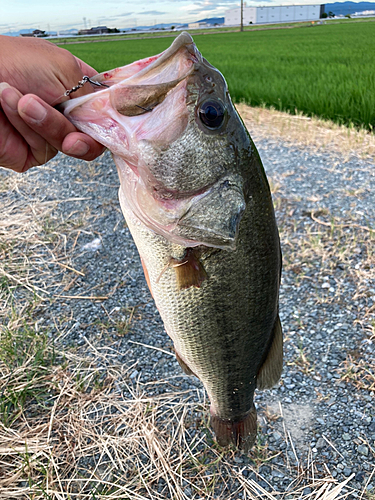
(241, 433)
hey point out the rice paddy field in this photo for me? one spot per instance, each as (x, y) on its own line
(325, 70)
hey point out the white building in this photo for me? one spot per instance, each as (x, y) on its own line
(233, 16)
(197, 25)
(276, 14)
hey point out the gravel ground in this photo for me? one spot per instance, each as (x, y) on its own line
(324, 407)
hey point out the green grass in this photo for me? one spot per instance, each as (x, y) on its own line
(326, 71)
(26, 360)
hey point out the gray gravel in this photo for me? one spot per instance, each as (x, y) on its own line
(324, 314)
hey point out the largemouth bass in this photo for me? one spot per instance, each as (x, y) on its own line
(197, 202)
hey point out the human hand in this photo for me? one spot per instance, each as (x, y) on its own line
(31, 130)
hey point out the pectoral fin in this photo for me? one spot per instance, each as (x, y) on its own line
(189, 270)
(270, 371)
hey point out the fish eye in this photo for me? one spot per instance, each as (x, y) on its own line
(212, 114)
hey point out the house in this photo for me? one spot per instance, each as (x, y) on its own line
(98, 30)
(38, 33)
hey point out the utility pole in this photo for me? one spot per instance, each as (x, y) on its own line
(241, 15)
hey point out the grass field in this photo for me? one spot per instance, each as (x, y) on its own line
(326, 71)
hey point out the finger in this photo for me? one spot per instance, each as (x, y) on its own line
(14, 151)
(81, 146)
(40, 149)
(45, 120)
(54, 127)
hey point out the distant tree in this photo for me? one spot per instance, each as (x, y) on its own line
(251, 22)
(348, 16)
(114, 30)
(173, 27)
(324, 15)
(331, 14)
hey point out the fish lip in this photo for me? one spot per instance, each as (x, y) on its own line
(183, 40)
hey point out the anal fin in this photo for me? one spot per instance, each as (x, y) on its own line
(241, 433)
(183, 365)
(270, 371)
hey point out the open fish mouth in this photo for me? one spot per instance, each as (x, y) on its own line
(149, 70)
(150, 117)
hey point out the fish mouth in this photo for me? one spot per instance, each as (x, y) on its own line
(154, 75)
(146, 107)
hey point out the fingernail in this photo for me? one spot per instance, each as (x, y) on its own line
(34, 110)
(10, 97)
(3, 86)
(79, 148)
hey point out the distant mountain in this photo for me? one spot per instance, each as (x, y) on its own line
(160, 26)
(72, 31)
(343, 8)
(212, 20)
(17, 33)
(208, 20)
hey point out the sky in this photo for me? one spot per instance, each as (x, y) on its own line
(57, 15)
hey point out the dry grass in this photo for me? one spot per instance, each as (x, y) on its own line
(358, 371)
(34, 240)
(93, 435)
(303, 131)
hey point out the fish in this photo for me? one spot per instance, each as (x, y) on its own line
(197, 202)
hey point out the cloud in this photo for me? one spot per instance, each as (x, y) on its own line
(114, 18)
(208, 6)
(151, 13)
